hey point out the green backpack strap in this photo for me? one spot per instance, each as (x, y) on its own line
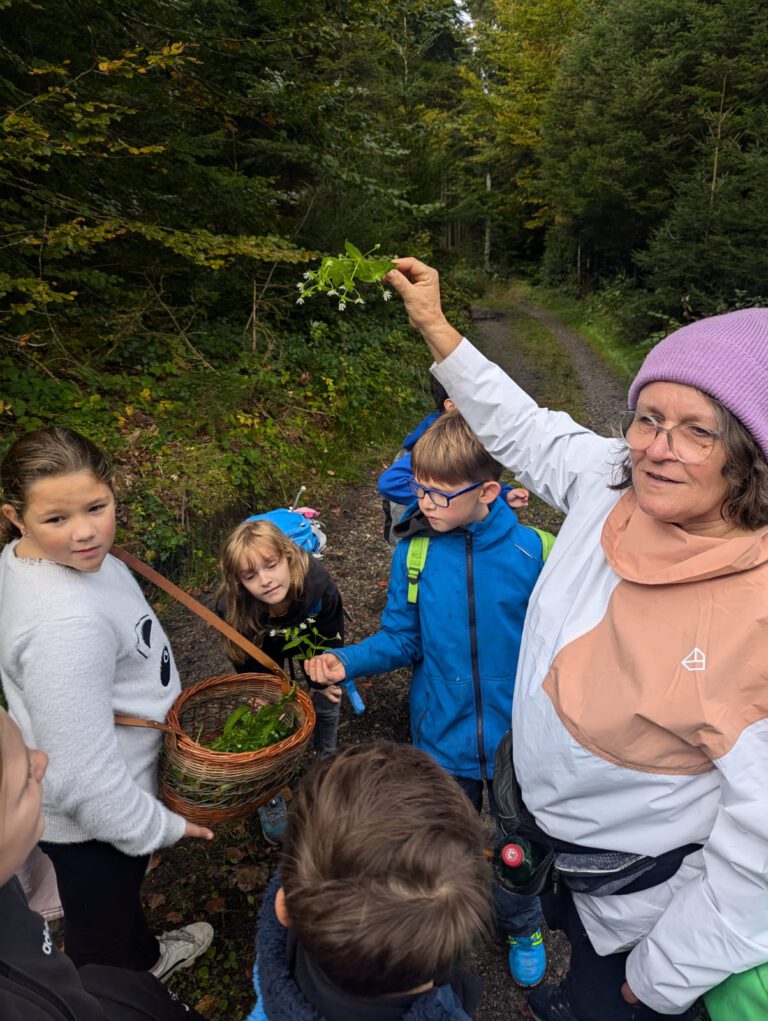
(414, 562)
(547, 541)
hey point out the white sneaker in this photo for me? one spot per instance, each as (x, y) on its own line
(181, 947)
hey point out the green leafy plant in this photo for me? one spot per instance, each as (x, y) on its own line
(305, 639)
(340, 276)
(249, 730)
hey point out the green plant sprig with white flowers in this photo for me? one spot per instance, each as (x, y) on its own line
(340, 276)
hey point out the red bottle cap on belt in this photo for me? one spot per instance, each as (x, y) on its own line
(512, 855)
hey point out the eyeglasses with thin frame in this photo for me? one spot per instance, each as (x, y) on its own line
(437, 496)
(688, 442)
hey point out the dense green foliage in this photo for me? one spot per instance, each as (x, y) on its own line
(656, 162)
(507, 84)
(626, 145)
(249, 730)
(170, 170)
(196, 445)
(146, 144)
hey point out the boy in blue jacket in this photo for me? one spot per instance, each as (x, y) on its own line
(394, 483)
(458, 623)
(373, 909)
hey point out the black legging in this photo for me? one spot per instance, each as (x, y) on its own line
(104, 921)
(593, 983)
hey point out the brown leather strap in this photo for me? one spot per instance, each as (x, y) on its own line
(202, 611)
(138, 721)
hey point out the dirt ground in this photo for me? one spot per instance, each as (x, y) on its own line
(223, 882)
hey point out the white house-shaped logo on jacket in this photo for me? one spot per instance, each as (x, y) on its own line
(695, 660)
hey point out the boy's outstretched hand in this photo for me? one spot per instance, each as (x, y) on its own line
(325, 669)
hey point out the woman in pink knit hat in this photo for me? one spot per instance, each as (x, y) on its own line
(640, 716)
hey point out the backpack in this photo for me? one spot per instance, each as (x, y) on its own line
(393, 512)
(418, 547)
(304, 532)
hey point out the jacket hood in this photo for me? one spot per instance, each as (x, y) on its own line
(282, 998)
(641, 549)
(412, 523)
(410, 440)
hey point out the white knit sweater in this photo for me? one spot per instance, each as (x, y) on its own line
(76, 648)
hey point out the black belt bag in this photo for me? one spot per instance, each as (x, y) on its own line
(583, 869)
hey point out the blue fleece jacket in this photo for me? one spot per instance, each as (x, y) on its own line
(462, 637)
(280, 999)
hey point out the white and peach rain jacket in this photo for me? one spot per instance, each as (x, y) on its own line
(641, 700)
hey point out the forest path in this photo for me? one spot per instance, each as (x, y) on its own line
(358, 559)
(604, 393)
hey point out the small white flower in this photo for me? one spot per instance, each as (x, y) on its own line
(359, 301)
(333, 294)
(303, 627)
(272, 633)
(299, 301)
(300, 286)
(342, 306)
(307, 276)
(387, 295)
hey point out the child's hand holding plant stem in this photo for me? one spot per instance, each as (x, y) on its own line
(310, 645)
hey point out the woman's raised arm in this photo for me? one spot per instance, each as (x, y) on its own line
(419, 287)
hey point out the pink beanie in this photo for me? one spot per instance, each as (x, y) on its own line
(725, 356)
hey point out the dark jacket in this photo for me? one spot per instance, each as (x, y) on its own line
(39, 983)
(281, 999)
(462, 637)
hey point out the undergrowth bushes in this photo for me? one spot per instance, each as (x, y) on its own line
(197, 447)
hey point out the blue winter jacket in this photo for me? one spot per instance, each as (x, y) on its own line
(393, 481)
(280, 999)
(462, 637)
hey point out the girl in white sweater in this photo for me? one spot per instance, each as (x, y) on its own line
(79, 643)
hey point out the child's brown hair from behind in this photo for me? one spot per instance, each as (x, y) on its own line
(383, 871)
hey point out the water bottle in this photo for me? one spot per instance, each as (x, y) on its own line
(516, 860)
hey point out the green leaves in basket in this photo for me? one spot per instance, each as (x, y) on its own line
(250, 730)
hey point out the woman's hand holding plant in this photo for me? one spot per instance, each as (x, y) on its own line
(419, 287)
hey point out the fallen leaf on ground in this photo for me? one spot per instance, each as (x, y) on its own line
(207, 1005)
(249, 877)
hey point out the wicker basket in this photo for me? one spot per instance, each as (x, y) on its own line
(208, 787)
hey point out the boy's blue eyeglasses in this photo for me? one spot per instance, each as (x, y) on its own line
(437, 496)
